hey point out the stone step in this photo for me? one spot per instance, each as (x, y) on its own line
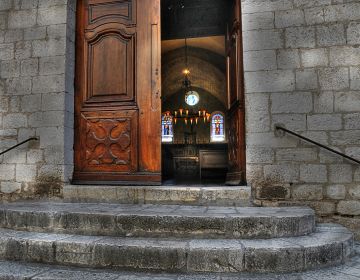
(158, 220)
(35, 271)
(329, 245)
(185, 195)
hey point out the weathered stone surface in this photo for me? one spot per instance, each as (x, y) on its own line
(336, 191)
(159, 221)
(325, 247)
(313, 173)
(308, 192)
(220, 196)
(349, 207)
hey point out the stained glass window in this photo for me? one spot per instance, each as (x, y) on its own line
(217, 127)
(167, 129)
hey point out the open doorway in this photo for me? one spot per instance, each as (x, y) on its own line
(195, 96)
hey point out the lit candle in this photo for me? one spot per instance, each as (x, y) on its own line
(187, 112)
(175, 120)
(196, 120)
(186, 121)
(175, 113)
(199, 113)
(191, 121)
(204, 113)
(181, 111)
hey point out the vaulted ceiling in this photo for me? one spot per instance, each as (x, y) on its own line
(207, 71)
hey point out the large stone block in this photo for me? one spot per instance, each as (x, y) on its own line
(35, 33)
(50, 47)
(300, 37)
(10, 69)
(324, 122)
(7, 172)
(345, 56)
(297, 154)
(48, 84)
(282, 172)
(323, 102)
(350, 137)
(342, 12)
(314, 15)
(313, 173)
(14, 35)
(256, 6)
(334, 78)
(29, 67)
(336, 191)
(26, 172)
(296, 122)
(51, 16)
(257, 113)
(270, 81)
(15, 120)
(306, 79)
(260, 60)
(19, 86)
(311, 3)
(314, 57)
(9, 187)
(289, 18)
(6, 51)
(291, 102)
(288, 59)
(307, 192)
(355, 78)
(349, 207)
(331, 35)
(340, 173)
(353, 33)
(22, 18)
(255, 21)
(347, 101)
(259, 155)
(263, 39)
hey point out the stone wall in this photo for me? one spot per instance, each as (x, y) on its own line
(302, 63)
(36, 93)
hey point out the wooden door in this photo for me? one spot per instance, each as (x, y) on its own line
(117, 96)
(236, 100)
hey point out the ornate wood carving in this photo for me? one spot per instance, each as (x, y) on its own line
(116, 116)
(110, 141)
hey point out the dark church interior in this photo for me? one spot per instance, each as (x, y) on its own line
(194, 91)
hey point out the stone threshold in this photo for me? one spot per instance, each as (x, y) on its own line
(184, 195)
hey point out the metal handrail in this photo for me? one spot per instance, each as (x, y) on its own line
(318, 144)
(19, 144)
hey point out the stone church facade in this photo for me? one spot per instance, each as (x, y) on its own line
(302, 71)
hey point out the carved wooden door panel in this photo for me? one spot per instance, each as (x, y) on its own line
(236, 98)
(117, 96)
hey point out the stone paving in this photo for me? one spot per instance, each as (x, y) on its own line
(14, 270)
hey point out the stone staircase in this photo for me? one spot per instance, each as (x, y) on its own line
(163, 236)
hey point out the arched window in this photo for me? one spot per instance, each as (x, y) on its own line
(217, 127)
(167, 129)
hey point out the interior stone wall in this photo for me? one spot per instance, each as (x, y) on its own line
(36, 94)
(302, 70)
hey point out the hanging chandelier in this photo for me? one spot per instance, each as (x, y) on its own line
(191, 98)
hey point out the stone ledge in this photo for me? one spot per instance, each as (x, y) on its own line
(186, 195)
(330, 245)
(158, 220)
